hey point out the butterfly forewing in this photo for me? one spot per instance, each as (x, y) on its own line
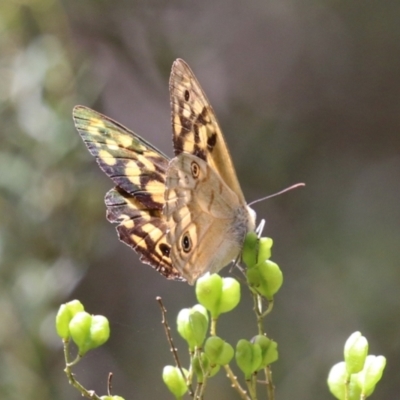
(195, 127)
(132, 163)
(138, 169)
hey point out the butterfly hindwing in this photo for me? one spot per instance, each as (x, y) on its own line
(207, 223)
(142, 229)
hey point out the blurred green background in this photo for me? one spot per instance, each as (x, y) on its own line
(304, 91)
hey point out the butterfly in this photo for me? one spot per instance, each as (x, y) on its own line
(184, 216)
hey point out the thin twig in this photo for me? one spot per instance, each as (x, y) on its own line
(173, 349)
(235, 383)
(109, 384)
(270, 384)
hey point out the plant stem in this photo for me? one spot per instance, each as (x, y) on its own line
(251, 385)
(270, 385)
(346, 387)
(258, 308)
(173, 349)
(235, 383)
(213, 327)
(90, 394)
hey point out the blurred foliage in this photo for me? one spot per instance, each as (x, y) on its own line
(305, 91)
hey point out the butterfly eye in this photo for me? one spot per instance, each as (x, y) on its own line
(195, 169)
(186, 242)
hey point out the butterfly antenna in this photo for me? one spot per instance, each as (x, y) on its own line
(277, 194)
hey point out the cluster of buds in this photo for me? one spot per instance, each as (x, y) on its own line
(216, 296)
(356, 377)
(87, 331)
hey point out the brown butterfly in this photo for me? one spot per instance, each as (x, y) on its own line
(185, 216)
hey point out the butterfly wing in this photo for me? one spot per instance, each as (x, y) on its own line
(132, 163)
(143, 229)
(195, 127)
(162, 207)
(138, 169)
(208, 213)
(207, 223)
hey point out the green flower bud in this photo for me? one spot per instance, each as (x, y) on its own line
(99, 330)
(192, 325)
(111, 398)
(175, 382)
(265, 278)
(355, 352)
(80, 331)
(218, 351)
(201, 366)
(250, 249)
(336, 383)
(64, 316)
(336, 379)
(208, 290)
(230, 295)
(248, 357)
(264, 249)
(214, 370)
(269, 350)
(371, 374)
(218, 295)
(201, 309)
(88, 332)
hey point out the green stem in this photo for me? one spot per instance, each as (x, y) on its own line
(90, 394)
(251, 386)
(346, 387)
(269, 308)
(270, 385)
(202, 387)
(260, 314)
(77, 359)
(201, 379)
(213, 327)
(199, 393)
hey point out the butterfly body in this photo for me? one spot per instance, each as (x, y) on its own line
(185, 216)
